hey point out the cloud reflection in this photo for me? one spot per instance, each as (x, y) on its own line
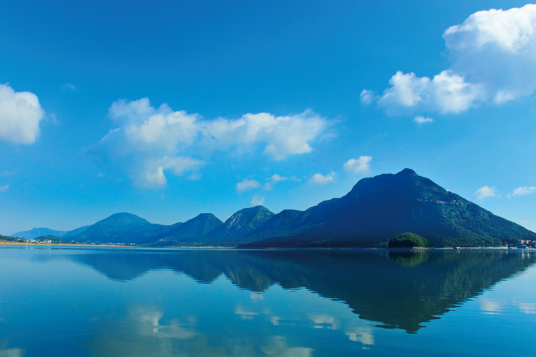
(490, 307)
(12, 352)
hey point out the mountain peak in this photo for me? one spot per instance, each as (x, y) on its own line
(240, 224)
(124, 217)
(407, 172)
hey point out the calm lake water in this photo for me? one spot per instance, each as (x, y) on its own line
(110, 302)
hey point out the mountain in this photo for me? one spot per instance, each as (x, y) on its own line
(37, 232)
(121, 228)
(384, 206)
(374, 211)
(237, 229)
(74, 232)
(190, 231)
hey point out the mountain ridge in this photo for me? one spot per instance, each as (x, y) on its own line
(373, 211)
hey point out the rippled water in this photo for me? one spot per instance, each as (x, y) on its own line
(98, 302)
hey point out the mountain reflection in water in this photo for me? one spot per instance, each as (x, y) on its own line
(399, 290)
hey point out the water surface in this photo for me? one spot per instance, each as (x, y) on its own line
(110, 302)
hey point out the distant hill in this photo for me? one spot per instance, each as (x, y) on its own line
(9, 239)
(37, 232)
(120, 228)
(237, 229)
(193, 230)
(382, 207)
(52, 238)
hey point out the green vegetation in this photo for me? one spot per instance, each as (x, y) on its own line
(52, 238)
(9, 239)
(408, 240)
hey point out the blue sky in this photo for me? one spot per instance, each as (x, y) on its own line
(167, 109)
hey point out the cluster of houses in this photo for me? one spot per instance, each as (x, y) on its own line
(109, 243)
(48, 241)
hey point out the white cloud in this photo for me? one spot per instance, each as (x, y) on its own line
(321, 179)
(521, 191)
(485, 191)
(367, 97)
(446, 92)
(272, 181)
(8, 173)
(247, 185)
(20, 113)
(257, 200)
(51, 118)
(358, 166)
(4, 188)
(70, 86)
(146, 136)
(419, 119)
(151, 174)
(493, 55)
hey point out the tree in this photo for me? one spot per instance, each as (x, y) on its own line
(408, 240)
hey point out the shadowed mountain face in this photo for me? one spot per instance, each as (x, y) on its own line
(382, 207)
(190, 231)
(394, 289)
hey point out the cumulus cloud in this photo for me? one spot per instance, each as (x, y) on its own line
(485, 191)
(321, 179)
(148, 142)
(521, 191)
(493, 60)
(20, 114)
(4, 188)
(358, 166)
(272, 181)
(257, 200)
(419, 119)
(247, 185)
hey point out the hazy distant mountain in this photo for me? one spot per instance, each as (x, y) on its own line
(194, 230)
(121, 228)
(239, 226)
(381, 207)
(37, 232)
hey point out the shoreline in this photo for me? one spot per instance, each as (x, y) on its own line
(82, 245)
